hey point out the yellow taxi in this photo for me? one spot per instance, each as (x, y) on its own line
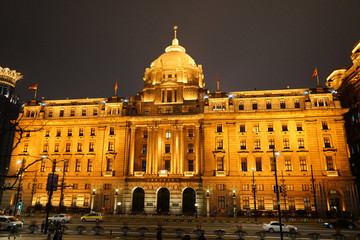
(92, 217)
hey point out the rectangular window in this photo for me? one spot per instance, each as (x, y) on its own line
(145, 134)
(324, 125)
(83, 112)
(246, 203)
(79, 147)
(257, 144)
(68, 147)
(92, 132)
(288, 166)
(69, 132)
(91, 146)
(244, 166)
(297, 104)
(303, 166)
(220, 187)
(72, 112)
(81, 132)
(284, 127)
(106, 201)
(143, 165)
(219, 128)
(167, 165)
(78, 165)
(271, 143)
(254, 106)
(169, 95)
(242, 127)
(268, 105)
(190, 133)
(270, 127)
(256, 127)
(86, 200)
(90, 165)
(260, 187)
(291, 203)
(327, 143)
(109, 164)
(275, 204)
(241, 106)
(242, 144)
(75, 186)
(87, 186)
(220, 163)
(111, 146)
(272, 164)
(167, 148)
(245, 187)
(46, 147)
(329, 163)
(221, 202)
(107, 186)
(261, 203)
(73, 200)
(42, 166)
(26, 147)
(190, 165)
(307, 204)
(258, 164)
(282, 104)
(290, 187)
(61, 113)
(95, 111)
(56, 148)
(301, 144)
(286, 143)
(58, 132)
(190, 148)
(168, 133)
(47, 133)
(39, 186)
(305, 187)
(219, 143)
(144, 148)
(112, 131)
(50, 113)
(299, 126)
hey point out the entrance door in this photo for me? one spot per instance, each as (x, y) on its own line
(188, 201)
(138, 200)
(163, 201)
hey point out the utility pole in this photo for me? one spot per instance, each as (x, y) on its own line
(313, 189)
(62, 188)
(19, 187)
(254, 191)
(48, 205)
(33, 189)
(283, 192)
(277, 196)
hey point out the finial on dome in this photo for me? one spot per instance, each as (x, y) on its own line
(175, 41)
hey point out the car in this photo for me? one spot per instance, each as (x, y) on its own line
(7, 222)
(95, 217)
(274, 226)
(60, 218)
(340, 223)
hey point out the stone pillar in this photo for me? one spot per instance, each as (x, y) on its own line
(155, 147)
(115, 201)
(132, 151)
(149, 143)
(181, 150)
(172, 149)
(197, 149)
(207, 204)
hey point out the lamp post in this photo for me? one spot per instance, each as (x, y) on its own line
(51, 191)
(207, 203)
(314, 189)
(19, 186)
(92, 200)
(254, 192)
(277, 195)
(234, 203)
(33, 188)
(116, 200)
(119, 204)
(62, 188)
(283, 192)
(196, 209)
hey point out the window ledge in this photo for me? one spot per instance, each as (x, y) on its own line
(332, 173)
(109, 173)
(139, 174)
(219, 173)
(188, 173)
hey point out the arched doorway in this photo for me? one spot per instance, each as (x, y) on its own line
(138, 200)
(188, 201)
(163, 201)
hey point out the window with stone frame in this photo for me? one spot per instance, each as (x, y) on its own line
(56, 147)
(68, 147)
(261, 203)
(92, 132)
(324, 125)
(241, 106)
(268, 104)
(81, 132)
(167, 148)
(168, 133)
(327, 142)
(282, 104)
(144, 148)
(90, 165)
(299, 126)
(301, 143)
(242, 127)
(329, 163)
(80, 147)
(70, 132)
(257, 144)
(284, 127)
(190, 148)
(220, 163)
(288, 166)
(254, 106)
(72, 112)
(244, 165)
(303, 165)
(219, 128)
(112, 131)
(272, 164)
(296, 104)
(245, 202)
(286, 143)
(219, 143)
(270, 127)
(256, 127)
(307, 204)
(243, 144)
(258, 164)
(109, 164)
(221, 202)
(77, 165)
(190, 165)
(271, 143)
(245, 187)
(111, 146)
(291, 203)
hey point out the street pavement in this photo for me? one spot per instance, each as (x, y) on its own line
(112, 228)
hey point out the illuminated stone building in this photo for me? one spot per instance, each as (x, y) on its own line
(346, 81)
(176, 148)
(9, 111)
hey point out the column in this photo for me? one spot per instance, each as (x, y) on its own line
(207, 203)
(149, 151)
(132, 151)
(159, 150)
(197, 149)
(181, 151)
(172, 149)
(155, 159)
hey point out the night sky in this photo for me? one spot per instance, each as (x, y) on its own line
(76, 49)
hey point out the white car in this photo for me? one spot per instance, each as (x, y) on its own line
(60, 218)
(6, 222)
(274, 226)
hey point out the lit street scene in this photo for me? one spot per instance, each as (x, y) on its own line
(180, 120)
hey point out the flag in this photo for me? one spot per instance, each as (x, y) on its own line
(217, 82)
(116, 86)
(33, 87)
(314, 74)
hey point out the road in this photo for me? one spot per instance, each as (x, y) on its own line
(112, 229)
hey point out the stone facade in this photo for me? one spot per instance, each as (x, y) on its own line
(177, 148)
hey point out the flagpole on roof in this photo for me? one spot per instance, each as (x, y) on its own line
(317, 77)
(217, 82)
(35, 92)
(116, 87)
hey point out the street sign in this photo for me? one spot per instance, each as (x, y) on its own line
(52, 181)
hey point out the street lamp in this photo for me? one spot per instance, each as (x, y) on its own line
(277, 194)
(254, 192)
(62, 187)
(208, 203)
(234, 203)
(116, 200)
(92, 200)
(196, 208)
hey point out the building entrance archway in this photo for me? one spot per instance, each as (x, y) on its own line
(188, 201)
(163, 201)
(138, 200)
